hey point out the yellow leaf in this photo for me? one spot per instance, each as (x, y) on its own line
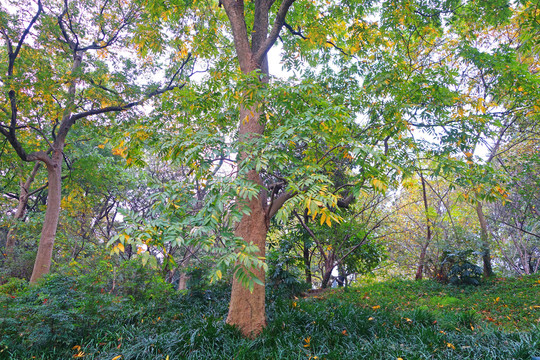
(116, 357)
(376, 307)
(121, 247)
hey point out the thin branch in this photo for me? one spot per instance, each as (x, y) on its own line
(299, 33)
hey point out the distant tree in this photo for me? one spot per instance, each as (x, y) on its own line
(55, 76)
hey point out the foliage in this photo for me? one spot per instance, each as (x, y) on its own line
(457, 268)
(385, 320)
(284, 276)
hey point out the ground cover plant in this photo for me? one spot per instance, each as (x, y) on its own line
(69, 316)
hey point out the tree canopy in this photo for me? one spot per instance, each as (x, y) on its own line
(377, 135)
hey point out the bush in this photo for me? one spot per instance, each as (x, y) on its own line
(13, 285)
(457, 269)
(283, 278)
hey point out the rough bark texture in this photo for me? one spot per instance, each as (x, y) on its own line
(486, 254)
(247, 309)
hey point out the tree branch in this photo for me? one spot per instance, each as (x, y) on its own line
(274, 33)
(276, 204)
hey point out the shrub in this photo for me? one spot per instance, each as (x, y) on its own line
(457, 269)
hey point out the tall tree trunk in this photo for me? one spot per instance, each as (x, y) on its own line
(247, 310)
(422, 259)
(486, 254)
(43, 260)
(21, 208)
(53, 163)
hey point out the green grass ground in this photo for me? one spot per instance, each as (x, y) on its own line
(63, 319)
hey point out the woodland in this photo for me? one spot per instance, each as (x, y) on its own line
(292, 179)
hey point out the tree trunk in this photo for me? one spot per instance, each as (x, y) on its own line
(486, 254)
(421, 263)
(43, 260)
(307, 264)
(21, 208)
(247, 309)
(182, 282)
(422, 259)
(328, 266)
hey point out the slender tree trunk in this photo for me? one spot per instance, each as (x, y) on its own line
(329, 266)
(486, 254)
(43, 260)
(421, 263)
(21, 208)
(307, 264)
(42, 264)
(422, 259)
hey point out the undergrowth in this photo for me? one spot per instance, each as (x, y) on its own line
(67, 317)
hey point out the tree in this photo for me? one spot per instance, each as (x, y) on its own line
(286, 131)
(54, 69)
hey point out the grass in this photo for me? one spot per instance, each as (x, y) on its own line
(390, 320)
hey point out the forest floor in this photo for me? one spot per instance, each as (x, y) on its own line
(76, 317)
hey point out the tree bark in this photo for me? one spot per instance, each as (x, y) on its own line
(182, 282)
(43, 260)
(247, 309)
(21, 208)
(307, 264)
(53, 163)
(329, 265)
(422, 259)
(421, 262)
(486, 254)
